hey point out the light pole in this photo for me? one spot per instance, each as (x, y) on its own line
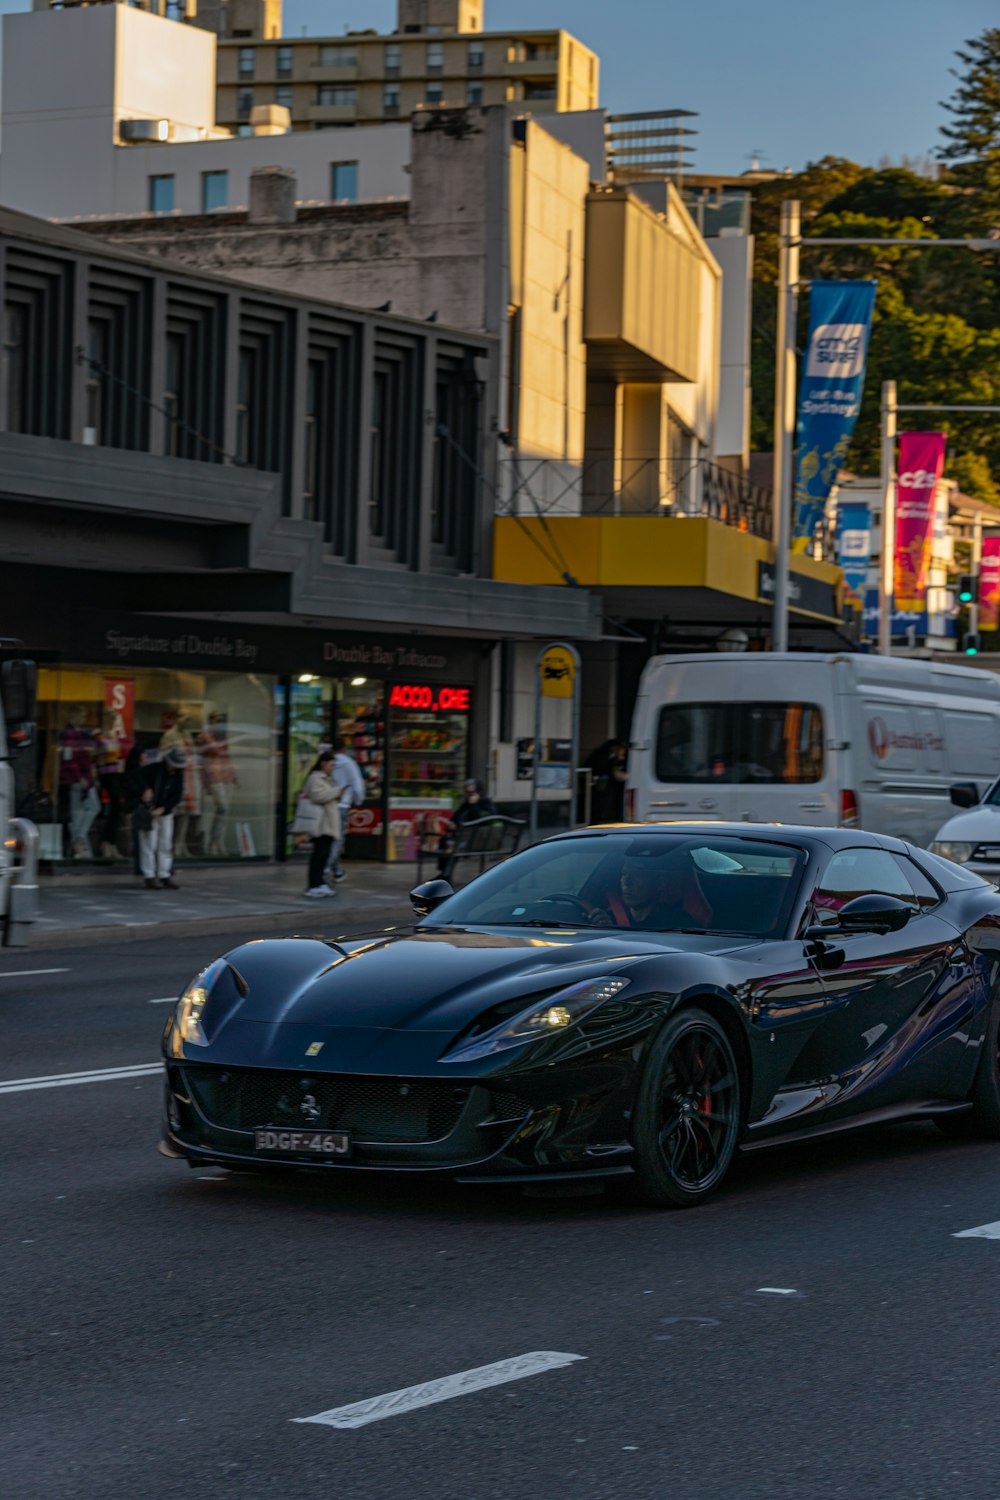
(790, 242)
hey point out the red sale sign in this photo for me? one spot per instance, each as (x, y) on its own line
(989, 584)
(921, 464)
(119, 712)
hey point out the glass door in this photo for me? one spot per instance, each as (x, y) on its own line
(428, 762)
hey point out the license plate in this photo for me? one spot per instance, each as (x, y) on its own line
(304, 1142)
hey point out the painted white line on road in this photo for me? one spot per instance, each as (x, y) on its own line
(163, 1000)
(984, 1232)
(395, 1403)
(779, 1291)
(21, 973)
(66, 1080)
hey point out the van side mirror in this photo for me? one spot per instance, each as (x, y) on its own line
(424, 898)
(964, 794)
(18, 687)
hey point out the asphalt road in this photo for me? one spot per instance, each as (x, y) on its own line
(163, 1328)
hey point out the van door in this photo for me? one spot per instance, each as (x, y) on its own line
(689, 731)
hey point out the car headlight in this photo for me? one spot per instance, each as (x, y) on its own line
(189, 1008)
(951, 849)
(556, 1013)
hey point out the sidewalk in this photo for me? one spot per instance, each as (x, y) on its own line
(88, 905)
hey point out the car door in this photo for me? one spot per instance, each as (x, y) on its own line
(895, 997)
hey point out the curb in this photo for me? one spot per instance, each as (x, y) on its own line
(264, 922)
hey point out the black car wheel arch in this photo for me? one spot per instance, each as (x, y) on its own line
(982, 1121)
(688, 1113)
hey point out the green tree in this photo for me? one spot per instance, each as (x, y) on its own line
(972, 139)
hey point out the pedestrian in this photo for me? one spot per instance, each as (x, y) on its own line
(162, 782)
(608, 764)
(346, 772)
(474, 805)
(324, 793)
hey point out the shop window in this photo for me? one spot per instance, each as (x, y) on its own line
(101, 727)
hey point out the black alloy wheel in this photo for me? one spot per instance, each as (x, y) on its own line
(982, 1121)
(687, 1115)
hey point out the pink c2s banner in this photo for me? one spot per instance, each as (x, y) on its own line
(921, 464)
(989, 584)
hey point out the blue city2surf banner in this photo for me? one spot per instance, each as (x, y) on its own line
(833, 378)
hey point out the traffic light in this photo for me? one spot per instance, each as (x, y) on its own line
(967, 588)
(970, 643)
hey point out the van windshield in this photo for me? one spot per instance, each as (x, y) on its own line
(775, 743)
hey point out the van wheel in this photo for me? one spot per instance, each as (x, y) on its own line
(982, 1121)
(687, 1112)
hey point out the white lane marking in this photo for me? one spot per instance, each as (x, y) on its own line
(65, 1080)
(21, 973)
(984, 1232)
(395, 1403)
(779, 1291)
(163, 1000)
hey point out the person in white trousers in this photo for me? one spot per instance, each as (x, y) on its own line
(347, 775)
(164, 784)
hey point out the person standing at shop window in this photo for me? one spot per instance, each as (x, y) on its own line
(163, 786)
(324, 793)
(346, 772)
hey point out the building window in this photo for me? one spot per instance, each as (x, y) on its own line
(540, 91)
(171, 395)
(161, 195)
(391, 57)
(313, 382)
(515, 92)
(15, 338)
(96, 380)
(334, 93)
(244, 130)
(283, 95)
(284, 62)
(247, 61)
(214, 191)
(517, 52)
(244, 401)
(390, 99)
(244, 103)
(435, 57)
(344, 181)
(434, 94)
(338, 57)
(474, 92)
(476, 55)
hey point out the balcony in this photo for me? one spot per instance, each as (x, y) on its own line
(643, 291)
(533, 67)
(332, 114)
(334, 72)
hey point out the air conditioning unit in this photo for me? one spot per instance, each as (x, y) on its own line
(144, 130)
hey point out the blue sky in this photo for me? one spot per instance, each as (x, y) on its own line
(794, 81)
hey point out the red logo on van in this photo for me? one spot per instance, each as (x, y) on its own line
(879, 738)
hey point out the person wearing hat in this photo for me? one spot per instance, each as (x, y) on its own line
(474, 805)
(162, 781)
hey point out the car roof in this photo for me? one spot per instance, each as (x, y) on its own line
(779, 833)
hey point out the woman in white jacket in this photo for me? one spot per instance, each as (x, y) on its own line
(321, 789)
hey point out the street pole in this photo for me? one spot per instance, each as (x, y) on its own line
(784, 416)
(887, 581)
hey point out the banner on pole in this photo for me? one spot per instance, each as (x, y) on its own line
(921, 464)
(854, 545)
(833, 378)
(989, 584)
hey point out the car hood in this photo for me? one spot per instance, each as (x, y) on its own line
(972, 826)
(427, 979)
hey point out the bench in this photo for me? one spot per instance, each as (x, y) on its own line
(488, 840)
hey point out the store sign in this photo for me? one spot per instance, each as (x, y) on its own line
(119, 706)
(431, 699)
(557, 671)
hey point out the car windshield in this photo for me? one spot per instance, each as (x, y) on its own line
(639, 881)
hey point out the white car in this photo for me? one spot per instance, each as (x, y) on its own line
(972, 837)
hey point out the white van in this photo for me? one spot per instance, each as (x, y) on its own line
(871, 741)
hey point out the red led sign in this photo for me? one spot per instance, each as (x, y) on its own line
(434, 700)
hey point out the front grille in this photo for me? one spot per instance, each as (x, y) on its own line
(987, 853)
(371, 1109)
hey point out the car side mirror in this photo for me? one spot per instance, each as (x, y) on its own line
(964, 794)
(875, 913)
(424, 898)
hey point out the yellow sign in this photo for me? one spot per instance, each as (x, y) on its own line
(557, 671)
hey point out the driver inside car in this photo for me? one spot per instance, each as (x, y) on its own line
(655, 895)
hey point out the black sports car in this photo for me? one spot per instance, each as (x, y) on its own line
(634, 1000)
